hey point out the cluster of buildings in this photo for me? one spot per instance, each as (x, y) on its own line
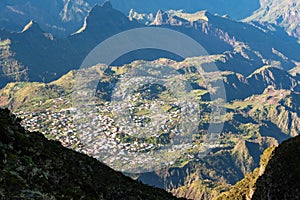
(99, 130)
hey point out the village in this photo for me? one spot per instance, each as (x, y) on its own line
(100, 132)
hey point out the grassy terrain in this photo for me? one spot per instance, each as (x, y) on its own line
(246, 132)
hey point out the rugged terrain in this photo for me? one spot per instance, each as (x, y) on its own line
(234, 46)
(261, 117)
(33, 167)
(276, 178)
(284, 14)
(281, 177)
(67, 16)
(257, 82)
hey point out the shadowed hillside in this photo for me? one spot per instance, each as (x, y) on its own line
(278, 176)
(250, 125)
(234, 46)
(281, 179)
(32, 167)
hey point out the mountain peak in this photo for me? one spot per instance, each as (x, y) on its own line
(32, 26)
(102, 16)
(100, 8)
(163, 17)
(267, 69)
(95, 14)
(273, 76)
(160, 18)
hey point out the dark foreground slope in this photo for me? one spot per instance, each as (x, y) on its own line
(281, 179)
(31, 167)
(277, 178)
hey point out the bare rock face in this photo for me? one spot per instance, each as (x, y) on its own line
(283, 13)
(164, 18)
(160, 18)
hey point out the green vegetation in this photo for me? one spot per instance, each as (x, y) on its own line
(33, 167)
(11, 67)
(281, 178)
(246, 132)
(244, 189)
(276, 178)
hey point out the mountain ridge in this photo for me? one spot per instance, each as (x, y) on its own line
(280, 13)
(67, 16)
(250, 126)
(241, 51)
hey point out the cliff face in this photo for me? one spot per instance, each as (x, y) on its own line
(60, 17)
(240, 87)
(283, 13)
(244, 189)
(32, 167)
(278, 176)
(281, 179)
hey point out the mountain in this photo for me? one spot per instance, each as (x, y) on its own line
(282, 175)
(206, 178)
(234, 46)
(67, 16)
(33, 46)
(250, 43)
(250, 125)
(33, 167)
(245, 188)
(240, 87)
(217, 172)
(258, 65)
(276, 178)
(63, 17)
(237, 86)
(60, 17)
(280, 13)
(233, 8)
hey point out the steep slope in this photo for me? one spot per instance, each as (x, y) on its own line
(249, 46)
(272, 76)
(206, 178)
(240, 87)
(250, 43)
(235, 46)
(237, 86)
(276, 178)
(63, 17)
(12, 69)
(244, 189)
(250, 126)
(234, 8)
(33, 167)
(47, 58)
(60, 17)
(278, 110)
(281, 13)
(281, 179)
